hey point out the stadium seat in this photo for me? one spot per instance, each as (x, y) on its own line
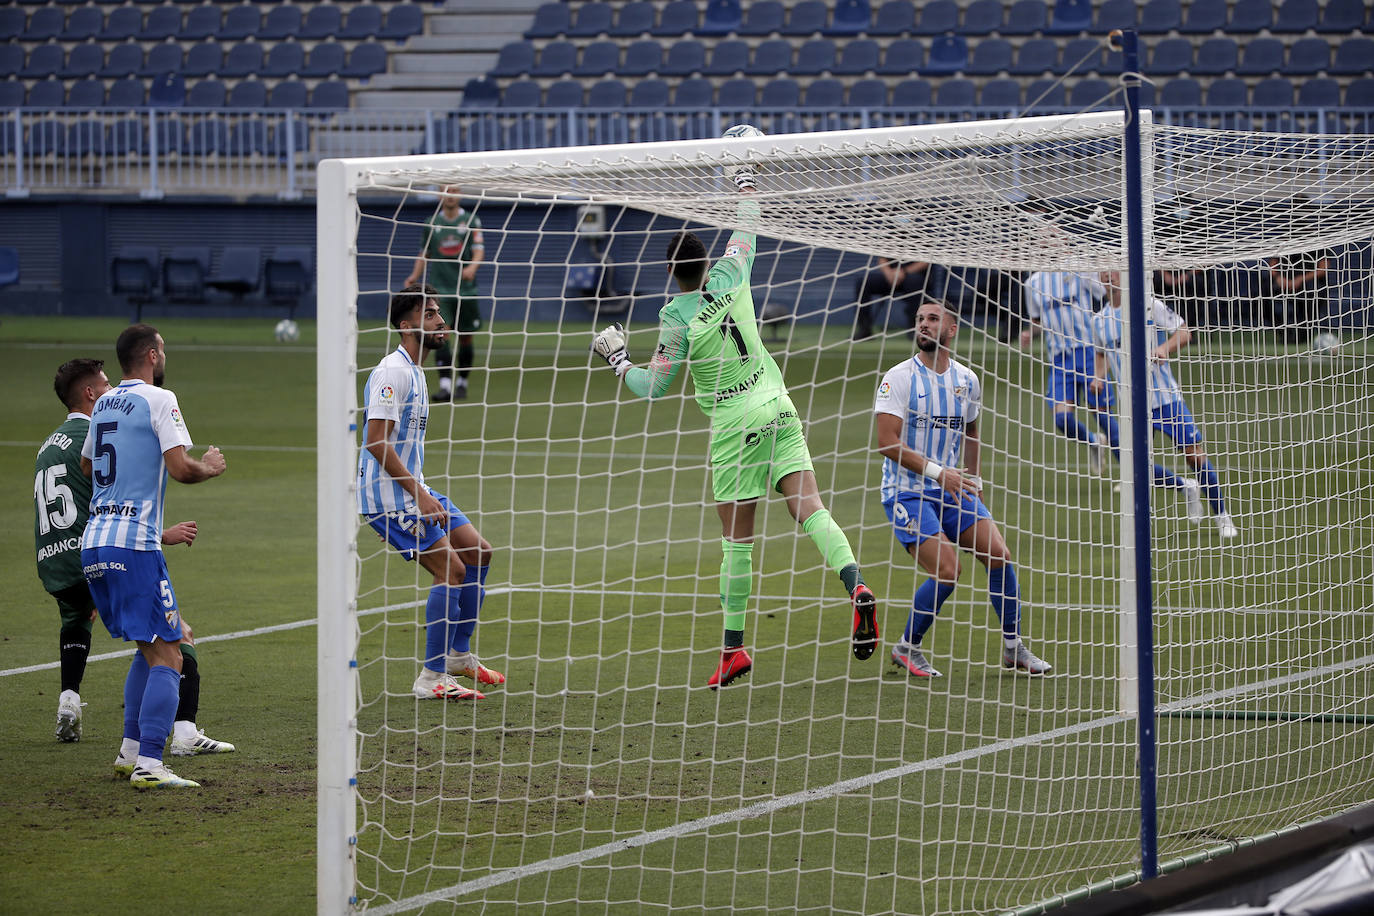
(125, 93)
(1360, 93)
(285, 59)
(86, 93)
(282, 21)
(83, 23)
(324, 20)
(859, 56)
(1203, 17)
(133, 270)
(1352, 57)
(1036, 56)
(771, 57)
(1183, 92)
(824, 93)
(162, 23)
(551, 20)
(1274, 92)
(592, 19)
(677, 19)
(893, 18)
(1341, 17)
(288, 94)
(248, 137)
(948, 54)
(684, 58)
(903, 57)
(208, 93)
(695, 92)
(1025, 17)
(1044, 95)
(1170, 57)
(522, 94)
(12, 59)
(598, 59)
(162, 58)
(635, 19)
(48, 93)
(329, 94)
(325, 59)
(990, 57)
(721, 17)
(240, 270)
(287, 273)
(564, 94)
(728, 58)
(402, 21)
(849, 17)
(250, 93)
(201, 23)
(367, 59)
(1216, 57)
(480, 93)
(1261, 57)
(1081, 56)
(1310, 56)
(650, 94)
(912, 93)
(203, 59)
(807, 18)
(646, 56)
(1004, 95)
(936, 18)
(44, 61)
(1319, 93)
(1159, 17)
(868, 93)
(243, 59)
(1230, 92)
(1115, 14)
(45, 24)
(607, 93)
(783, 92)
(240, 22)
(288, 137)
(206, 137)
(364, 21)
(557, 58)
(814, 57)
(11, 96)
(956, 93)
(13, 21)
(184, 270)
(9, 265)
(1071, 17)
(1295, 16)
(167, 91)
(736, 94)
(516, 58)
(83, 60)
(1248, 17)
(47, 137)
(1092, 95)
(763, 17)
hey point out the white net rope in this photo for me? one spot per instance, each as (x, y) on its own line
(822, 783)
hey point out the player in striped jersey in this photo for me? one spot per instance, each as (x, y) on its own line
(1167, 334)
(927, 417)
(1059, 305)
(418, 521)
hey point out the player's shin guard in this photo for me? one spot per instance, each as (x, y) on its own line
(465, 359)
(189, 691)
(930, 597)
(464, 615)
(831, 542)
(1211, 485)
(158, 710)
(135, 685)
(736, 582)
(74, 646)
(437, 624)
(443, 361)
(1068, 424)
(1113, 430)
(1005, 595)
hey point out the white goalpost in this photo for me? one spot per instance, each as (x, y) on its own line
(603, 775)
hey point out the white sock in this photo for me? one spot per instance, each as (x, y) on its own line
(462, 382)
(148, 763)
(128, 749)
(71, 695)
(184, 729)
(1011, 643)
(445, 384)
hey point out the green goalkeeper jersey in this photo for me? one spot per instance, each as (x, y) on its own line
(62, 504)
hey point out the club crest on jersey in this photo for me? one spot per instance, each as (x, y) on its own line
(171, 617)
(961, 391)
(387, 393)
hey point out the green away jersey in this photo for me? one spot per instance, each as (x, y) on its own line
(449, 246)
(62, 504)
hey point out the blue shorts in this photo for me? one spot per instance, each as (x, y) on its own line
(412, 535)
(916, 518)
(1176, 421)
(133, 592)
(1070, 374)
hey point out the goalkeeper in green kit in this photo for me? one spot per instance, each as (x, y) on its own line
(757, 441)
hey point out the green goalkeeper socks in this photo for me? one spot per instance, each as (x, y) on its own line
(736, 581)
(834, 546)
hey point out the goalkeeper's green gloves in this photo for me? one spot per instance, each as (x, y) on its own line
(610, 346)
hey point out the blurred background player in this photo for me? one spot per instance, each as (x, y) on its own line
(448, 261)
(139, 438)
(927, 418)
(1167, 333)
(421, 523)
(757, 443)
(891, 282)
(62, 506)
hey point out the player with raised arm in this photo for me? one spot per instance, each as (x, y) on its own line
(927, 418)
(1167, 333)
(137, 439)
(420, 523)
(757, 442)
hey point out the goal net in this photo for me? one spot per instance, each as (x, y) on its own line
(604, 776)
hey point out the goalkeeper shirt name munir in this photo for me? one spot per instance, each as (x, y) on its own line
(62, 504)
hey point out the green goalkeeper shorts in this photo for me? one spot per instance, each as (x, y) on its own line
(461, 314)
(750, 455)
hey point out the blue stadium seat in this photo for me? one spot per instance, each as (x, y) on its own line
(1248, 17)
(782, 92)
(134, 270)
(1216, 57)
(364, 21)
(1261, 57)
(203, 59)
(763, 17)
(646, 56)
(1352, 57)
(557, 58)
(858, 56)
(1071, 17)
(184, 270)
(1036, 56)
(869, 93)
(1092, 95)
(564, 94)
(684, 58)
(893, 18)
(849, 17)
(83, 60)
(990, 57)
(86, 93)
(677, 19)
(649, 93)
(11, 96)
(248, 137)
(807, 18)
(948, 54)
(607, 93)
(124, 22)
(45, 23)
(913, 93)
(1295, 16)
(1341, 17)
(695, 92)
(290, 94)
(288, 136)
(1004, 95)
(324, 20)
(721, 17)
(208, 93)
(285, 59)
(44, 60)
(47, 93)
(480, 93)
(1111, 62)
(1183, 92)
(1159, 17)
(167, 91)
(206, 137)
(1115, 14)
(287, 273)
(283, 20)
(13, 21)
(367, 59)
(771, 57)
(903, 57)
(736, 94)
(599, 58)
(162, 23)
(48, 137)
(1319, 93)
(522, 94)
(325, 59)
(250, 93)
(516, 58)
(592, 19)
(243, 59)
(636, 18)
(956, 93)
(1170, 57)
(162, 58)
(402, 21)
(126, 93)
(11, 59)
(1044, 95)
(824, 93)
(1274, 92)
(1310, 56)
(1025, 17)
(936, 18)
(1229, 92)
(240, 22)
(329, 94)
(83, 23)
(1203, 17)
(1360, 93)
(728, 57)
(814, 57)
(201, 22)
(551, 20)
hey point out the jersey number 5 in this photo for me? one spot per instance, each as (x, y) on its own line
(105, 450)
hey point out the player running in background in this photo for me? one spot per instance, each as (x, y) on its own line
(927, 417)
(757, 443)
(1167, 333)
(137, 438)
(62, 507)
(419, 522)
(448, 261)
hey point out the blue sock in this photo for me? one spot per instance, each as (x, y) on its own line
(1167, 478)
(134, 685)
(160, 698)
(1068, 424)
(929, 598)
(468, 602)
(437, 625)
(1005, 595)
(1211, 485)
(1112, 429)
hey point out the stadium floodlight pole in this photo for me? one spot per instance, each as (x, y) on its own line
(1140, 427)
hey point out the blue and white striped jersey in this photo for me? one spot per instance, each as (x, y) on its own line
(1063, 304)
(132, 425)
(1161, 321)
(396, 392)
(935, 408)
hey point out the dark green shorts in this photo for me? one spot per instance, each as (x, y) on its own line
(468, 317)
(75, 604)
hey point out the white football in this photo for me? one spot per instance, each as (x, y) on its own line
(743, 130)
(287, 331)
(1326, 344)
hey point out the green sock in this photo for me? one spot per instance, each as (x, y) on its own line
(834, 546)
(187, 650)
(736, 581)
